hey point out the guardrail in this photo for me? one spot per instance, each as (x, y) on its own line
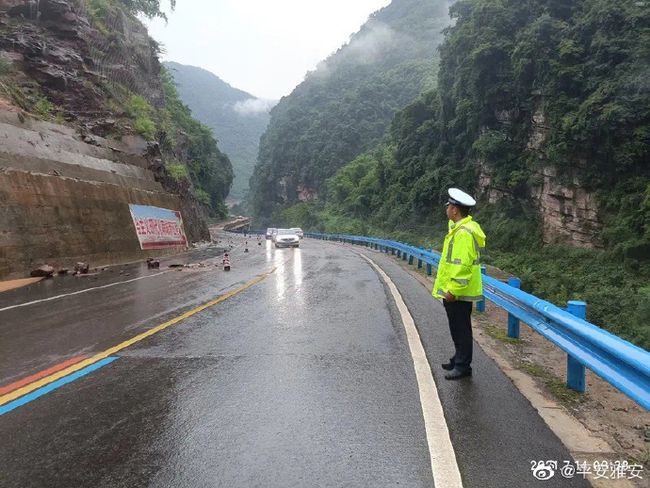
(622, 364)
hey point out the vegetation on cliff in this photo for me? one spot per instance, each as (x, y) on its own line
(149, 8)
(581, 67)
(184, 138)
(345, 106)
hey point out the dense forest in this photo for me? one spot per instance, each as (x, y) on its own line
(345, 106)
(582, 67)
(237, 118)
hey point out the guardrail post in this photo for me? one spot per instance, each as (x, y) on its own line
(513, 322)
(429, 270)
(392, 251)
(403, 256)
(410, 258)
(480, 306)
(575, 378)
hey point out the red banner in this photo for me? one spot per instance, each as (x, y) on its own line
(158, 228)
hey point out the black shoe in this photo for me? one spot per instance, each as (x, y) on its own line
(447, 366)
(457, 374)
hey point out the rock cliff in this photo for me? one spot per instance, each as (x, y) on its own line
(568, 213)
(71, 157)
(63, 200)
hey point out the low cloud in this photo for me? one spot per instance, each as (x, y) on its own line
(363, 48)
(368, 46)
(254, 106)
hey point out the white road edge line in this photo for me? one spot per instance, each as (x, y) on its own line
(443, 458)
(80, 291)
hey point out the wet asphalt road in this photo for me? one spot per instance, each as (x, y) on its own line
(304, 379)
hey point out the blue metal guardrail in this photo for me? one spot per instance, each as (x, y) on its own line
(622, 364)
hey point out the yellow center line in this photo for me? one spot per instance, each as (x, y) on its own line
(108, 352)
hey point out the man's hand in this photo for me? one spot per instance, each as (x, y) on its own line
(449, 297)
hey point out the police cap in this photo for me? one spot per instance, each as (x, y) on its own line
(459, 198)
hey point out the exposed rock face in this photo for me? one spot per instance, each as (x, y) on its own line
(65, 190)
(63, 200)
(486, 186)
(307, 194)
(283, 188)
(568, 213)
(74, 62)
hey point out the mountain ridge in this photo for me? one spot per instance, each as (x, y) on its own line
(345, 106)
(236, 117)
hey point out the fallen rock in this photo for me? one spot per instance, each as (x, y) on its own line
(44, 271)
(63, 271)
(153, 263)
(81, 268)
(176, 265)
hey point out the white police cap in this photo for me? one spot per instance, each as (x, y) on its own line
(460, 198)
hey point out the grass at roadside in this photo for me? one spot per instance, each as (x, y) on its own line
(499, 334)
(554, 385)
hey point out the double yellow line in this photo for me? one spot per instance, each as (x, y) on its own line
(108, 352)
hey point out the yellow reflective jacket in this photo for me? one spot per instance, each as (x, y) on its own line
(459, 272)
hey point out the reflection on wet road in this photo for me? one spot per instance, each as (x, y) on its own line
(292, 369)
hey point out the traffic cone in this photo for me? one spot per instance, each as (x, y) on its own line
(226, 262)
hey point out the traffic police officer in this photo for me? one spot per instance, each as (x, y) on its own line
(458, 281)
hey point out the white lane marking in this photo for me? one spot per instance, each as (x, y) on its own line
(80, 291)
(443, 458)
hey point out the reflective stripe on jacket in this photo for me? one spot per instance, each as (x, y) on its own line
(459, 271)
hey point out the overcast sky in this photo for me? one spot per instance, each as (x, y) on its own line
(264, 47)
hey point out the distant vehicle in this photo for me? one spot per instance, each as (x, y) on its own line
(269, 232)
(286, 238)
(298, 232)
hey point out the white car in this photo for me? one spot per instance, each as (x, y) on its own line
(298, 232)
(286, 238)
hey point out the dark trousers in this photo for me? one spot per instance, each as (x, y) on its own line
(459, 315)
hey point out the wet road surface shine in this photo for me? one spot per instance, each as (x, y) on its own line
(443, 459)
(60, 373)
(79, 292)
(302, 380)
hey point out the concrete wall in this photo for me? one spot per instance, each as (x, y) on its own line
(63, 199)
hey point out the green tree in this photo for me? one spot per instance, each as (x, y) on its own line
(148, 8)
